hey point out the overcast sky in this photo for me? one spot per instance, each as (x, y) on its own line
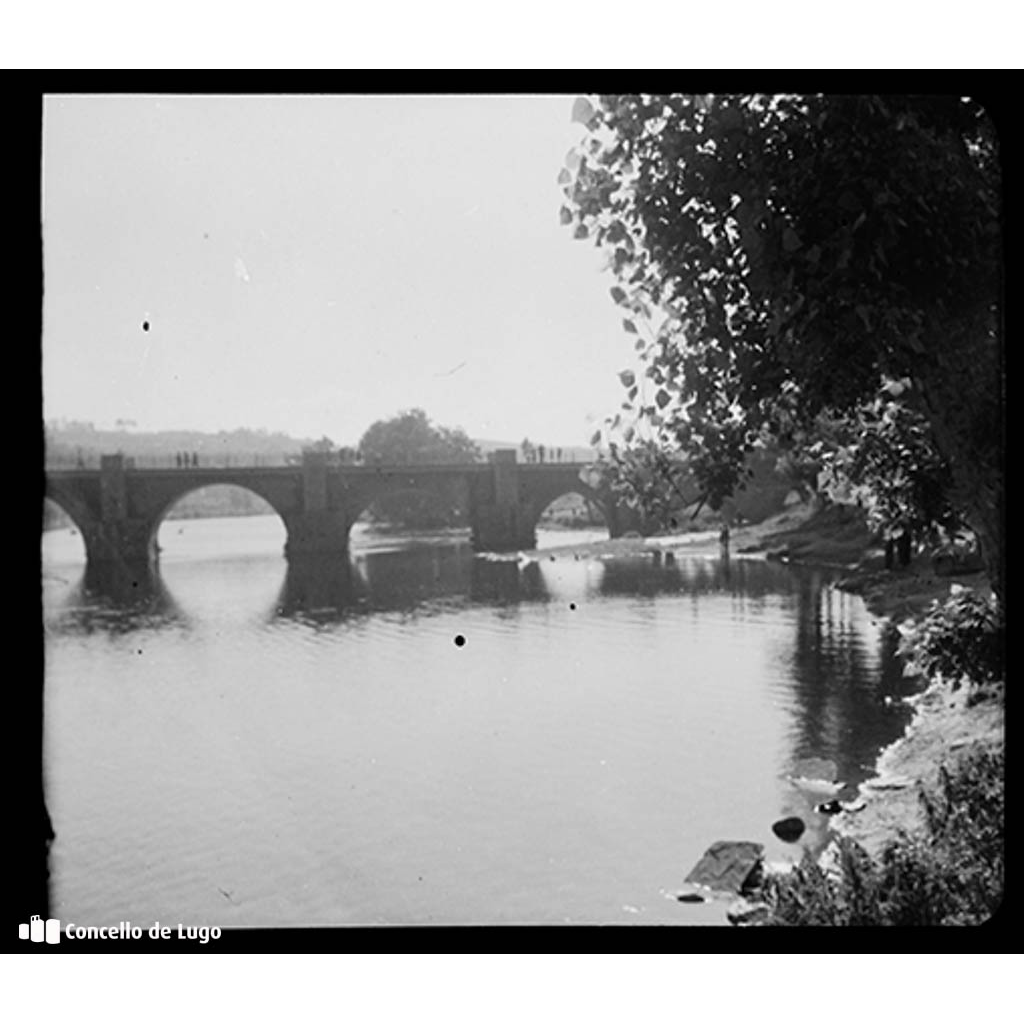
(312, 264)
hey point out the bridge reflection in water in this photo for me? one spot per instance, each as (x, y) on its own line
(416, 575)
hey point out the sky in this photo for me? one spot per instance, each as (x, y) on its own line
(312, 264)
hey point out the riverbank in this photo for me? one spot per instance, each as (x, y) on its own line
(951, 754)
(947, 727)
(835, 536)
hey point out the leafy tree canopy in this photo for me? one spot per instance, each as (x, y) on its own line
(884, 459)
(780, 258)
(411, 437)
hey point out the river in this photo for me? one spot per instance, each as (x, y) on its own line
(419, 735)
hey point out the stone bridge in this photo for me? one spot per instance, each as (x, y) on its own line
(118, 509)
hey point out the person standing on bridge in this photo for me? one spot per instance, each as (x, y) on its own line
(177, 459)
(195, 459)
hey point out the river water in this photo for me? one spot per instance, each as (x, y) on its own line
(258, 744)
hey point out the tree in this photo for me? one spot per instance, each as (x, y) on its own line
(882, 456)
(411, 438)
(791, 256)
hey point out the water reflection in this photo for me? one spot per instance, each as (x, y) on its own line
(125, 585)
(321, 588)
(401, 580)
(332, 589)
(835, 681)
(112, 598)
(504, 582)
(839, 684)
(606, 721)
(648, 575)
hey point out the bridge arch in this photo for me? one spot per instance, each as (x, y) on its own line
(75, 509)
(542, 497)
(574, 514)
(160, 513)
(446, 496)
(78, 510)
(59, 544)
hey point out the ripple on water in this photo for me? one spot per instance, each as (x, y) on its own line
(602, 724)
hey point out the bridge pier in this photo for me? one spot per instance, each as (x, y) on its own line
(317, 528)
(503, 524)
(320, 532)
(126, 582)
(129, 540)
(501, 529)
(119, 537)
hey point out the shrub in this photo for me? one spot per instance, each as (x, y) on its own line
(959, 641)
(953, 875)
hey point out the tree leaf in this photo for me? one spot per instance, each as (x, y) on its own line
(565, 215)
(618, 294)
(662, 398)
(582, 110)
(628, 378)
(628, 325)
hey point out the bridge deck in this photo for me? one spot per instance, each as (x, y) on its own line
(440, 468)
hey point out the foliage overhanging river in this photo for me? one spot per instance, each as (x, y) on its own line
(269, 746)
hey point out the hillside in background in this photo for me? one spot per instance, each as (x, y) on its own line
(67, 442)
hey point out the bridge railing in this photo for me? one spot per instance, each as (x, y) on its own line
(176, 460)
(62, 460)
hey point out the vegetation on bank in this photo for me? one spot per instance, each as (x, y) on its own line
(952, 874)
(951, 870)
